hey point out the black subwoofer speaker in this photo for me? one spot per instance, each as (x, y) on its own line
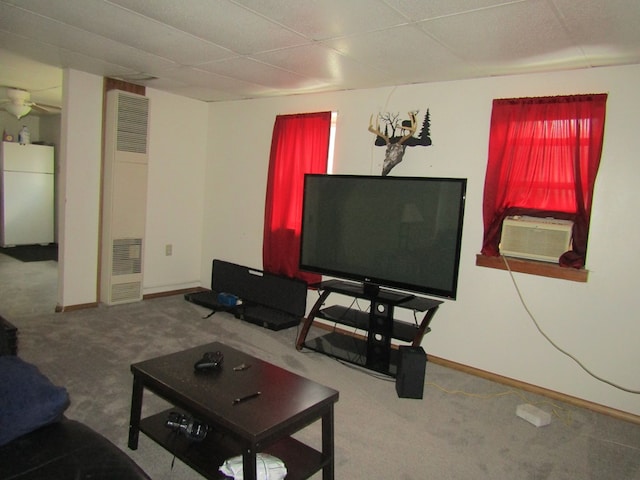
(412, 363)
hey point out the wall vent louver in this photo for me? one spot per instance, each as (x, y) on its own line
(127, 256)
(124, 197)
(132, 124)
(123, 292)
(544, 239)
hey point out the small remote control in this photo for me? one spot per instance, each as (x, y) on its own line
(209, 361)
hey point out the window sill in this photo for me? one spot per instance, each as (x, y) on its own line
(532, 267)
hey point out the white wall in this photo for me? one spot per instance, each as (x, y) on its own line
(177, 153)
(175, 199)
(487, 327)
(79, 188)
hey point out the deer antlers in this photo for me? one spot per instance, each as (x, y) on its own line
(376, 130)
(397, 144)
(392, 121)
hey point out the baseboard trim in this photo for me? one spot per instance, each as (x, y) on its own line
(150, 296)
(527, 387)
(545, 392)
(70, 308)
(82, 306)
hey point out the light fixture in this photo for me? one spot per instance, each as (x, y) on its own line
(20, 104)
(17, 110)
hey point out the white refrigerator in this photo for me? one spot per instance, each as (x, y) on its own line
(26, 194)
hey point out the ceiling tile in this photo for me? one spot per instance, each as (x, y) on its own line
(519, 31)
(405, 53)
(418, 10)
(201, 93)
(73, 39)
(253, 48)
(247, 69)
(325, 19)
(119, 25)
(219, 21)
(212, 81)
(325, 65)
(604, 30)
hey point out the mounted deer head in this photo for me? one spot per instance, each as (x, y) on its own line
(397, 144)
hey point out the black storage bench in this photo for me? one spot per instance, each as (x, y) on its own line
(273, 301)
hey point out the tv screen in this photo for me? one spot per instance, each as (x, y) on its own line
(399, 232)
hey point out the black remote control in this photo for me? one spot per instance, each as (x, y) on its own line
(209, 361)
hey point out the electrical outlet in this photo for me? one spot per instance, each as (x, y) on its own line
(168, 249)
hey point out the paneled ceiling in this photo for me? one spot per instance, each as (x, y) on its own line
(215, 50)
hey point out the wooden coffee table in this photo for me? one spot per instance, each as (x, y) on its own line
(286, 404)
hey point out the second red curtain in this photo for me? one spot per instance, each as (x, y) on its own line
(544, 155)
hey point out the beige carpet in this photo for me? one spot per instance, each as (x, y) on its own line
(464, 428)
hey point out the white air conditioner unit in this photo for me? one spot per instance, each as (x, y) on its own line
(124, 197)
(544, 239)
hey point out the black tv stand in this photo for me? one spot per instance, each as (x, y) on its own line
(374, 352)
(370, 289)
(373, 291)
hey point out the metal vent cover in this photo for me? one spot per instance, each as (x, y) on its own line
(127, 256)
(122, 292)
(132, 124)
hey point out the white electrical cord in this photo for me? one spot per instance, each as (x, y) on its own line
(580, 364)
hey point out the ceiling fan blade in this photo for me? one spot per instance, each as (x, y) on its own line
(46, 109)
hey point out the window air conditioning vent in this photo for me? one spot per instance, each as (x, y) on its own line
(533, 238)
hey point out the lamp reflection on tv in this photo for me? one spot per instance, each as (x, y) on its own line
(409, 226)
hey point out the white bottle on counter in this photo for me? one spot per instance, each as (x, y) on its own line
(24, 137)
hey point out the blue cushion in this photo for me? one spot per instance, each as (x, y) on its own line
(28, 399)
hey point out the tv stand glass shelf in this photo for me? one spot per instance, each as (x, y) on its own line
(375, 352)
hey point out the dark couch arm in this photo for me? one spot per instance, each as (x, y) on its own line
(66, 450)
(8, 338)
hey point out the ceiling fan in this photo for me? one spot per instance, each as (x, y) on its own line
(19, 104)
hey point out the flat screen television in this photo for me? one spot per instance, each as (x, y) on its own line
(403, 233)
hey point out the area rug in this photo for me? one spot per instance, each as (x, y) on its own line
(32, 253)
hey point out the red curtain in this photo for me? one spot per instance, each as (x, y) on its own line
(300, 144)
(544, 155)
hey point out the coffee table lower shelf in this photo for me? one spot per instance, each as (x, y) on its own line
(207, 456)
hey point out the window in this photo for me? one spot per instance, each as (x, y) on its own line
(300, 144)
(543, 160)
